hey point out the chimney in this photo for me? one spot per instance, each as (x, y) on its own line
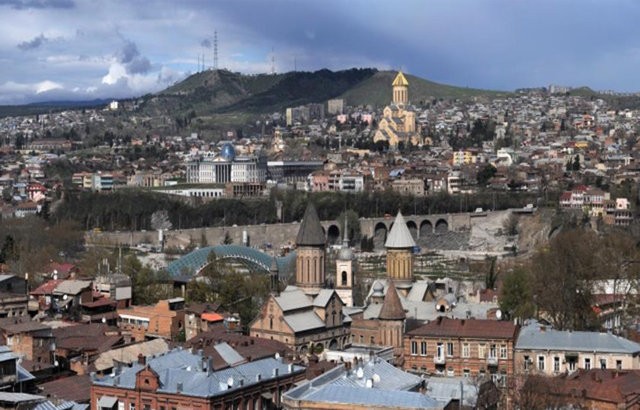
(209, 365)
(258, 377)
(275, 372)
(141, 359)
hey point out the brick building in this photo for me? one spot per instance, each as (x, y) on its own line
(456, 347)
(164, 319)
(182, 379)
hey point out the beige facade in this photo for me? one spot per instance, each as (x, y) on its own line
(554, 362)
(398, 123)
(400, 266)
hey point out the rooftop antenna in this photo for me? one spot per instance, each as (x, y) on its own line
(215, 50)
(273, 62)
(295, 64)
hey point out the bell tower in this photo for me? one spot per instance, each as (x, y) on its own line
(310, 253)
(400, 246)
(400, 90)
(344, 270)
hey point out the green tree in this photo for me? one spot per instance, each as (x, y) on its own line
(516, 299)
(485, 174)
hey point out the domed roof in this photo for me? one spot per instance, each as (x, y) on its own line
(228, 152)
(345, 253)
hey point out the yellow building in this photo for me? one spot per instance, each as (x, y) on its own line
(398, 123)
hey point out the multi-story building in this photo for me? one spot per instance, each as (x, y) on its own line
(462, 347)
(186, 380)
(541, 349)
(291, 171)
(208, 168)
(413, 186)
(164, 319)
(30, 340)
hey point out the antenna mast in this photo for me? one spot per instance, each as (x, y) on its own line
(273, 62)
(215, 50)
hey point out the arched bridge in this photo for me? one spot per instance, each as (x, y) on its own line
(192, 263)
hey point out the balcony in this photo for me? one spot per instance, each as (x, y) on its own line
(492, 361)
(439, 360)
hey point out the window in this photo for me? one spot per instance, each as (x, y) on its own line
(572, 365)
(132, 406)
(541, 363)
(440, 351)
(414, 348)
(482, 351)
(587, 363)
(527, 362)
(466, 373)
(619, 364)
(449, 349)
(503, 351)
(423, 348)
(556, 364)
(603, 363)
(120, 405)
(466, 350)
(493, 351)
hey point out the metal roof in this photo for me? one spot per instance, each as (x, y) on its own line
(300, 322)
(535, 336)
(390, 387)
(310, 233)
(185, 368)
(399, 236)
(293, 298)
(228, 354)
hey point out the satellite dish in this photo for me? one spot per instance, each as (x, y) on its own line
(376, 378)
(65, 297)
(369, 384)
(498, 314)
(104, 320)
(230, 381)
(359, 373)
(277, 356)
(56, 363)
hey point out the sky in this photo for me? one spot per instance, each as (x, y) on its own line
(87, 49)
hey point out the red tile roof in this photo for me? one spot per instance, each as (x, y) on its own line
(469, 328)
(46, 288)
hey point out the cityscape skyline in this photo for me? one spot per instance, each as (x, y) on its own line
(79, 50)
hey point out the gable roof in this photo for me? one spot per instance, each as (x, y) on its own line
(399, 237)
(310, 233)
(392, 307)
(292, 298)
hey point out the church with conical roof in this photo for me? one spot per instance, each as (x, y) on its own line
(307, 316)
(398, 123)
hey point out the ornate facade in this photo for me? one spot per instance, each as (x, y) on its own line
(398, 123)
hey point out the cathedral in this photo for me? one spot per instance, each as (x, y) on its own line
(308, 316)
(398, 123)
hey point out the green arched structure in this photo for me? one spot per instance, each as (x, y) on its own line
(192, 263)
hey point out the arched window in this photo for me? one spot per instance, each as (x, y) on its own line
(344, 278)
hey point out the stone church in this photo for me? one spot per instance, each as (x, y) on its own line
(307, 317)
(398, 123)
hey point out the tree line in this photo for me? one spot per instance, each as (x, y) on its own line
(133, 209)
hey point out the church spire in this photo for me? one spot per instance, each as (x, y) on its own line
(392, 307)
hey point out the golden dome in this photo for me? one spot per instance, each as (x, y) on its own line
(400, 80)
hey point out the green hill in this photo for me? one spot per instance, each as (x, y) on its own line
(377, 90)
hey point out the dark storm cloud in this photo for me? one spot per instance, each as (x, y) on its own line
(133, 61)
(38, 4)
(34, 43)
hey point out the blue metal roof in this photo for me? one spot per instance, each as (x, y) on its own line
(191, 263)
